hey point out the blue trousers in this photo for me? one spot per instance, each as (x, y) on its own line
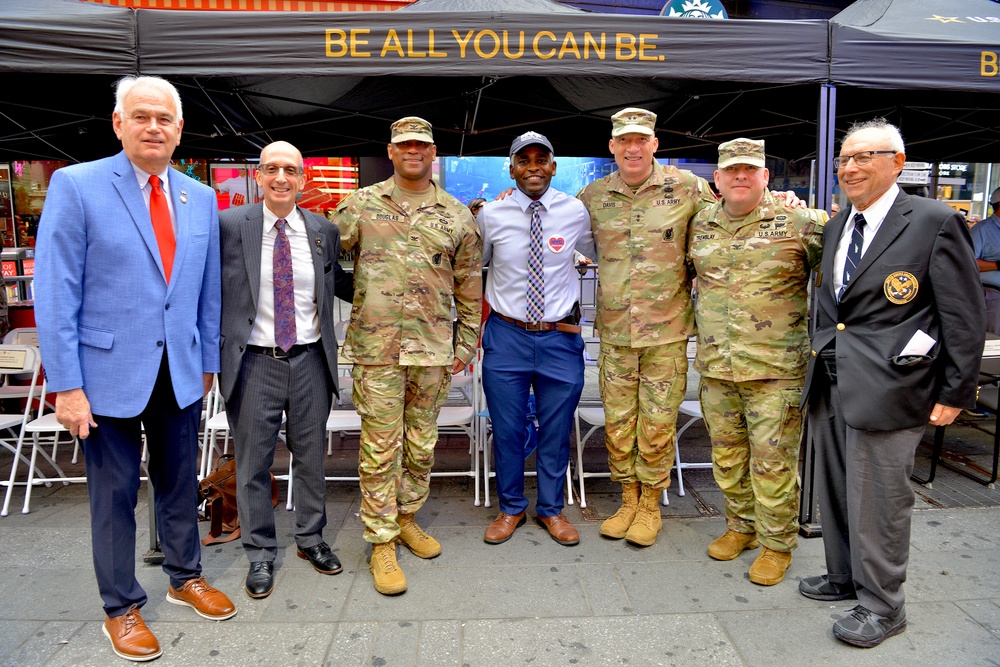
(112, 452)
(516, 361)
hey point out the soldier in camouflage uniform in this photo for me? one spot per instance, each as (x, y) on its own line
(416, 248)
(640, 218)
(752, 257)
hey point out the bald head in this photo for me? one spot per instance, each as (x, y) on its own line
(280, 177)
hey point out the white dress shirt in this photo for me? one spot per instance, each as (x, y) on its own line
(505, 226)
(874, 215)
(147, 190)
(303, 275)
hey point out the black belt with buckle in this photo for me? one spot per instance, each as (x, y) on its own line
(565, 327)
(278, 353)
(828, 362)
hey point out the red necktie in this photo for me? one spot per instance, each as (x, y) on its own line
(159, 214)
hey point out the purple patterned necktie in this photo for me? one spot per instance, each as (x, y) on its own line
(853, 252)
(536, 266)
(284, 290)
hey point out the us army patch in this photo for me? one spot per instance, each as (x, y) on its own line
(901, 287)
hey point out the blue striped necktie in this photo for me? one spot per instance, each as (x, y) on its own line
(536, 266)
(853, 252)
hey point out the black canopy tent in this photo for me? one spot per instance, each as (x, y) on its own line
(58, 61)
(331, 83)
(930, 66)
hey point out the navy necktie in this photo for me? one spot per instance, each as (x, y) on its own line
(853, 252)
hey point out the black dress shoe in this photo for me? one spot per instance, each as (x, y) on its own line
(260, 580)
(322, 559)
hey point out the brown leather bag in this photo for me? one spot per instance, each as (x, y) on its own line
(218, 490)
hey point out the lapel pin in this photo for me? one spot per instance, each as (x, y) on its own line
(184, 198)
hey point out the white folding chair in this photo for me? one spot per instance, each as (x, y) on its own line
(215, 423)
(43, 424)
(595, 417)
(17, 360)
(693, 410)
(464, 418)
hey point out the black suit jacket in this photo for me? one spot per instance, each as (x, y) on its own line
(241, 232)
(919, 273)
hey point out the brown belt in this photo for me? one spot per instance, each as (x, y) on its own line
(565, 327)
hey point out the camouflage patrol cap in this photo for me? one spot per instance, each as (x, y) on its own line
(633, 120)
(741, 151)
(412, 128)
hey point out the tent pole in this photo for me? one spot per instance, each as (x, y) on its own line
(809, 526)
(469, 129)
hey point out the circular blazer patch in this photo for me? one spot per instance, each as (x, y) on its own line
(901, 287)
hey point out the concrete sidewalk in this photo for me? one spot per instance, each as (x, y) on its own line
(529, 601)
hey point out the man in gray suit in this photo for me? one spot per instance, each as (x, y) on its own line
(899, 334)
(279, 354)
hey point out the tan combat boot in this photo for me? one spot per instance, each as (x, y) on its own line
(732, 544)
(389, 579)
(413, 536)
(769, 568)
(647, 522)
(618, 523)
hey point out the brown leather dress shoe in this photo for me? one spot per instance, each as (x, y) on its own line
(561, 530)
(208, 602)
(130, 638)
(503, 527)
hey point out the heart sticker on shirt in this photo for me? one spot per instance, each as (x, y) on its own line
(557, 243)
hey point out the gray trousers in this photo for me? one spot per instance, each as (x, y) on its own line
(865, 500)
(266, 387)
(992, 296)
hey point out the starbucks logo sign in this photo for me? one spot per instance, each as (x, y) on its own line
(694, 9)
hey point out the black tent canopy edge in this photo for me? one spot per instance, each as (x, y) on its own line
(242, 86)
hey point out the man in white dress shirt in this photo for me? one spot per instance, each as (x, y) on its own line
(532, 338)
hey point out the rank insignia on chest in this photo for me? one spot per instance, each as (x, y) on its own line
(668, 235)
(901, 287)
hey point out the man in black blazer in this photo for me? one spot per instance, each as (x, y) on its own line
(279, 354)
(898, 340)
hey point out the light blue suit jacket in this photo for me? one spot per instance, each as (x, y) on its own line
(103, 307)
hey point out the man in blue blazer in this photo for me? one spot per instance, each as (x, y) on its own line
(127, 304)
(268, 370)
(897, 346)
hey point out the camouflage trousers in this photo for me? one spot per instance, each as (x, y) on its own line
(642, 388)
(399, 407)
(756, 428)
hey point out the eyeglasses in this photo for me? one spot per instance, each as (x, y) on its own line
(860, 159)
(272, 170)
